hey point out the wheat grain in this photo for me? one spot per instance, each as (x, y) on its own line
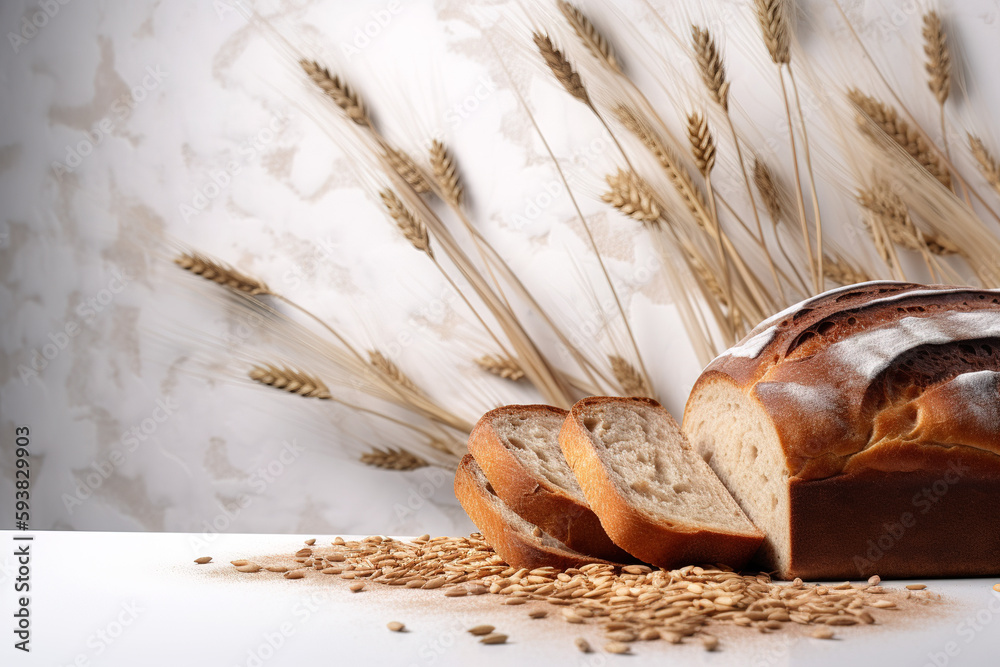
(702, 142)
(446, 174)
(494, 638)
(875, 114)
(407, 169)
(630, 380)
(561, 68)
(203, 560)
(395, 626)
(591, 37)
(388, 369)
(290, 380)
(413, 228)
(220, 273)
(393, 459)
(631, 195)
(710, 65)
(773, 18)
(481, 630)
(938, 64)
(988, 165)
(338, 91)
(504, 367)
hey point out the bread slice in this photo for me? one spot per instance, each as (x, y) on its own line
(519, 542)
(517, 447)
(655, 496)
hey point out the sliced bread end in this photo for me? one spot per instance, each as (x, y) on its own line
(655, 496)
(519, 542)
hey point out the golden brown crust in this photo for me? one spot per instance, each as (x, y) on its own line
(516, 547)
(662, 544)
(537, 499)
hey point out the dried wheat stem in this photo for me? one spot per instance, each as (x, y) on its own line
(446, 174)
(290, 380)
(591, 37)
(414, 230)
(338, 91)
(817, 217)
(799, 199)
(630, 380)
(771, 196)
(393, 459)
(988, 165)
(773, 18)
(221, 273)
(504, 367)
(875, 116)
(632, 196)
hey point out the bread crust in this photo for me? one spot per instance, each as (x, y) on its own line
(666, 545)
(535, 498)
(517, 548)
(877, 392)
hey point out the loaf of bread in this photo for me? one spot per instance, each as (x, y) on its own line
(517, 447)
(519, 542)
(655, 496)
(860, 430)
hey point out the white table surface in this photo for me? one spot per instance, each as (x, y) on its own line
(137, 599)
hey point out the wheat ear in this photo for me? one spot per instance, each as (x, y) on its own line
(938, 64)
(710, 65)
(631, 195)
(630, 380)
(338, 91)
(391, 371)
(878, 116)
(988, 165)
(221, 273)
(842, 272)
(290, 380)
(414, 230)
(407, 169)
(393, 459)
(702, 142)
(592, 38)
(773, 19)
(561, 68)
(504, 367)
(446, 174)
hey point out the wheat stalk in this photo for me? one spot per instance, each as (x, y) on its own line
(630, 380)
(391, 371)
(702, 142)
(938, 64)
(873, 113)
(407, 169)
(290, 380)
(414, 230)
(767, 188)
(393, 459)
(220, 273)
(561, 68)
(446, 174)
(338, 91)
(595, 42)
(631, 195)
(773, 18)
(504, 367)
(713, 71)
(988, 165)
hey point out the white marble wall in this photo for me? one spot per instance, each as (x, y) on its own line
(117, 119)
